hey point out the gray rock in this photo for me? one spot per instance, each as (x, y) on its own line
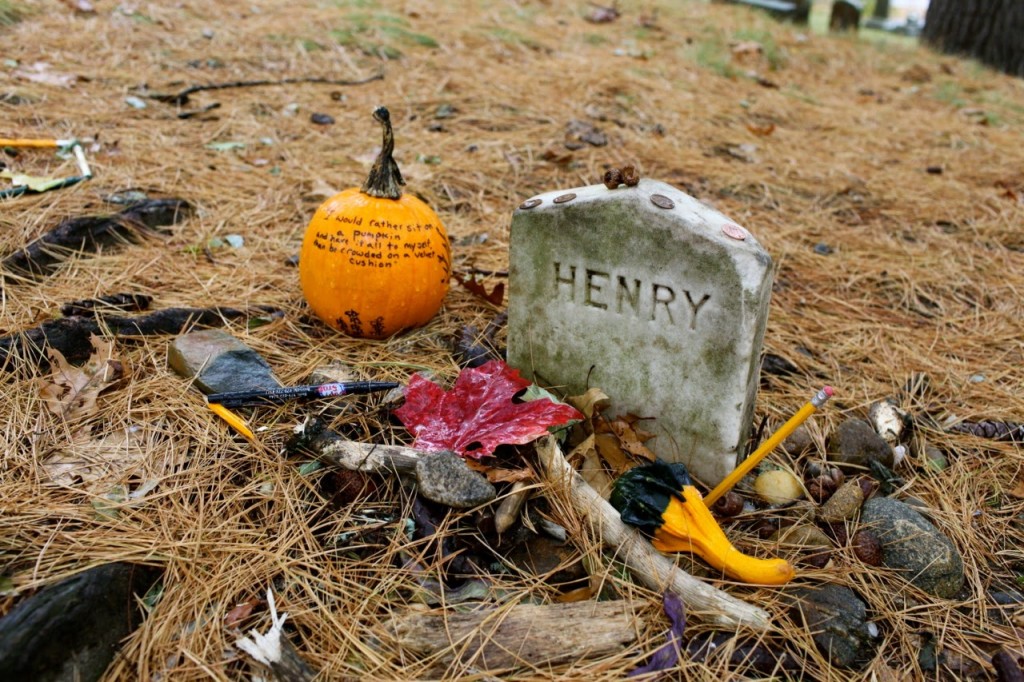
(837, 620)
(71, 630)
(855, 444)
(935, 459)
(219, 362)
(798, 442)
(656, 298)
(914, 547)
(444, 477)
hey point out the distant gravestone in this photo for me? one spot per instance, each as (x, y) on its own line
(797, 11)
(845, 15)
(653, 297)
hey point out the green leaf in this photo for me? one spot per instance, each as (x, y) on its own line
(34, 183)
(107, 505)
(225, 146)
(310, 467)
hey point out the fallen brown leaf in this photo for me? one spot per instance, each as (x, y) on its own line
(1018, 489)
(761, 130)
(71, 392)
(494, 297)
(242, 611)
(114, 455)
(591, 468)
(593, 402)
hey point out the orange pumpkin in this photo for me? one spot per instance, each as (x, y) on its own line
(375, 261)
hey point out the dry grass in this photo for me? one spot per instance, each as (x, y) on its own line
(926, 275)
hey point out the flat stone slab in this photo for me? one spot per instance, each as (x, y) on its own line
(219, 362)
(652, 296)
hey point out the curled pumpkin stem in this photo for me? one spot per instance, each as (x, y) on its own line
(385, 179)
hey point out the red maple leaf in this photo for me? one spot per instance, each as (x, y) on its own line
(479, 413)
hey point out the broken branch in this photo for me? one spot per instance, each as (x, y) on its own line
(70, 335)
(654, 569)
(182, 97)
(522, 634)
(329, 447)
(90, 234)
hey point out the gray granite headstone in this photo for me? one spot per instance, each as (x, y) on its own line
(652, 296)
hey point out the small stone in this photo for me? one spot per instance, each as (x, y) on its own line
(126, 198)
(445, 478)
(838, 532)
(899, 453)
(219, 362)
(815, 545)
(889, 420)
(322, 119)
(837, 620)
(914, 547)
(855, 443)
(798, 442)
(868, 486)
(935, 459)
(843, 504)
(778, 487)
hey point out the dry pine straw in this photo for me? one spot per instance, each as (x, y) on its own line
(926, 275)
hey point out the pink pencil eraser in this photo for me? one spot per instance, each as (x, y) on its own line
(829, 391)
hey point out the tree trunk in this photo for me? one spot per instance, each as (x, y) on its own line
(990, 30)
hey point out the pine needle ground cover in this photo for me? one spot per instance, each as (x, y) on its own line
(886, 181)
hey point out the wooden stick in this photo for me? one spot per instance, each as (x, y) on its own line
(88, 234)
(333, 449)
(182, 97)
(70, 335)
(652, 568)
(521, 635)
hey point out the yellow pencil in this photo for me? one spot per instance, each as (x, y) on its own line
(233, 420)
(22, 142)
(766, 447)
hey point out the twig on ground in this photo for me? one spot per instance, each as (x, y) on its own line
(124, 302)
(70, 335)
(329, 447)
(181, 98)
(652, 568)
(518, 635)
(89, 234)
